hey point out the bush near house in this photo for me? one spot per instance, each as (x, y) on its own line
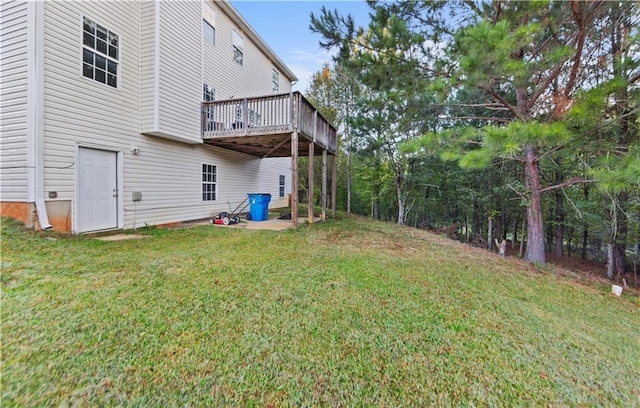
(347, 312)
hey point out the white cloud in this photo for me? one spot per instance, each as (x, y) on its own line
(304, 64)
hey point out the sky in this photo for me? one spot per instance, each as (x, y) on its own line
(284, 26)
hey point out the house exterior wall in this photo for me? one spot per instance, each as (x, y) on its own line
(13, 102)
(161, 71)
(228, 78)
(149, 59)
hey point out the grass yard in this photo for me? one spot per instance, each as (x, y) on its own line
(348, 312)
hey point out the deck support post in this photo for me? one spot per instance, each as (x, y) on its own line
(294, 179)
(324, 184)
(334, 184)
(310, 193)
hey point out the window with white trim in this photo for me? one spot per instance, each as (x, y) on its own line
(209, 95)
(281, 185)
(100, 53)
(275, 78)
(208, 23)
(238, 47)
(209, 182)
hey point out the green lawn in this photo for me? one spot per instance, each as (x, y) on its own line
(348, 312)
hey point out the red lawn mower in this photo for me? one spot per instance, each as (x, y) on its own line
(230, 218)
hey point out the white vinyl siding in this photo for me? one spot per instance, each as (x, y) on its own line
(180, 69)
(148, 72)
(80, 111)
(13, 100)
(221, 71)
(270, 171)
(171, 77)
(166, 172)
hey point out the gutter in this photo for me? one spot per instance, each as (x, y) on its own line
(35, 111)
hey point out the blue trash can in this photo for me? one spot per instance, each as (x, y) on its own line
(259, 206)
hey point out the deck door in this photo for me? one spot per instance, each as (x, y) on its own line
(97, 190)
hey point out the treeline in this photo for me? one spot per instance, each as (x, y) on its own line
(497, 120)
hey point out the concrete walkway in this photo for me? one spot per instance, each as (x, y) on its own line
(272, 224)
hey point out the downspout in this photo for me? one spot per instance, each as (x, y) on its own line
(35, 109)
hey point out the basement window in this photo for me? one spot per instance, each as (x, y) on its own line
(281, 185)
(209, 182)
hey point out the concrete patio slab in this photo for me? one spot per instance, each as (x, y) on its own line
(121, 237)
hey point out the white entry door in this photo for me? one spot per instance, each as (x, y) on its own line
(97, 190)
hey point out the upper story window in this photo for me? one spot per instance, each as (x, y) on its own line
(100, 53)
(238, 47)
(208, 23)
(209, 95)
(276, 81)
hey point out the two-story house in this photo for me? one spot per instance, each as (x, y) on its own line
(124, 114)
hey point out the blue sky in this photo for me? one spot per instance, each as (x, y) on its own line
(284, 25)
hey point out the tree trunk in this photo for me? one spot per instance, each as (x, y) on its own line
(466, 228)
(476, 217)
(559, 239)
(489, 231)
(610, 260)
(585, 230)
(401, 201)
(349, 181)
(549, 230)
(535, 229)
(620, 249)
(524, 224)
(585, 241)
(375, 200)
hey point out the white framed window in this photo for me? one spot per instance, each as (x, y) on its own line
(275, 78)
(100, 53)
(238, 48)
(208, 23)
(209, 182)
(282, 180)
(209, 95)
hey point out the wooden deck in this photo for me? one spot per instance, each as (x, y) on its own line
(265, 126)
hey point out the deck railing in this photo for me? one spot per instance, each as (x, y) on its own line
(267, 115)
